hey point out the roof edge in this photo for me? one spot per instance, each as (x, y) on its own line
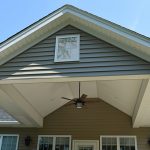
(33, 25)
(68, 6)
(112, 24)
(69, 9)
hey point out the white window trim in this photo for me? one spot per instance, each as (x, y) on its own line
(54, 140)
(78, 47)
(118, 142)
(2, 135)
(77, 143)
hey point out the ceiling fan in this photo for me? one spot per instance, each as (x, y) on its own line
(79, 102)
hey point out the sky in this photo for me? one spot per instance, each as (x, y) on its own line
(15, 15)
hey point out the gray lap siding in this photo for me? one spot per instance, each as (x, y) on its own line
(97, 58)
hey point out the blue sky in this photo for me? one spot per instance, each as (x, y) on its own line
(18, 14)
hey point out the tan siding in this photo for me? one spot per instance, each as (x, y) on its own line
(104, 59)
(95, 119)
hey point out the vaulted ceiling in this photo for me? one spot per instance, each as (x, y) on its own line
(29, 103)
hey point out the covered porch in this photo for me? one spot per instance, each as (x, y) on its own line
(30, 101)
(115, 110)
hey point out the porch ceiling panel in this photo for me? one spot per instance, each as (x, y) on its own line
(46, 97)
(89, 88)
(121, 94)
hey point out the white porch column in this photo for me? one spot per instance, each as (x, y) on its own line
(141, 114)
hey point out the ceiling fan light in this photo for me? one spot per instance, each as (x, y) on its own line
(79, 105)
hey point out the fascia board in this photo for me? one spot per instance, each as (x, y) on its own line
(30, 31)
(110, 26)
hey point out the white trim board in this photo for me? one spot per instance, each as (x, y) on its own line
(71, 79)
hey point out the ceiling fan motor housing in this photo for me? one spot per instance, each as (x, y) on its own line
(79, 103)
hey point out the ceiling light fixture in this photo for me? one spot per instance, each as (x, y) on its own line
(79, 104)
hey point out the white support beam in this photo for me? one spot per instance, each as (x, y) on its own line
(17, 105)
(141, 112)
(42, 79)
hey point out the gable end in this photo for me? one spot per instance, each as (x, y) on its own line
(97, 58)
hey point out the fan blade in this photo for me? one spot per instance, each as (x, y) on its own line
(83, 96)
(66, 98)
